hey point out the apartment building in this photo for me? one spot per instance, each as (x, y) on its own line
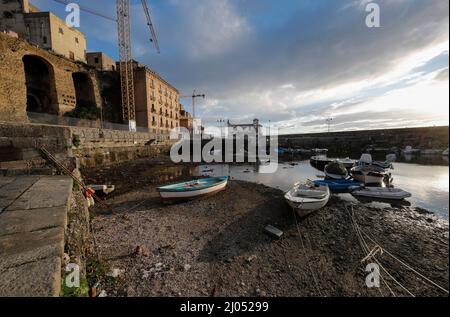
(157, 102)
(43, 29)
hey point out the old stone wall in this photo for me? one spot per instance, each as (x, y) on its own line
(13, 90)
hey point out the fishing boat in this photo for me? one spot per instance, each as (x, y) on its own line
(305, 198)
(339, 185)
(336, 170)
(320, 161)
(193, 189)
(410, 150)
(370, 174)
(382, 193)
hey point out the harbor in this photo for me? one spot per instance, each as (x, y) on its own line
(225, 251)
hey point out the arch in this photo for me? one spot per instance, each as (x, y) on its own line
(84, 90)
(40, 83)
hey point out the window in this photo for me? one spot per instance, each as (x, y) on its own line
(96, 60)
(76, 40)
(72, 56)
(44, 39)
(61, 31)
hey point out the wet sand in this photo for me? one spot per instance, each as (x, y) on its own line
(217, 246)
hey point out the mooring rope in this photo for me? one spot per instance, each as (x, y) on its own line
(409, 266)
(316, 283)
(368, 250)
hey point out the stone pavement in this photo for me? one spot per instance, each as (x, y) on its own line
(33, 219)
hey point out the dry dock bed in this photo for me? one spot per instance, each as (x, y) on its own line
(217, 246)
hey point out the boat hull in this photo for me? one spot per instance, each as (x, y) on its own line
(193, 194)
(367, 178)
(307, 208)
(382, 193)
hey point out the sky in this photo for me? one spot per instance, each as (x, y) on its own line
(293, 62)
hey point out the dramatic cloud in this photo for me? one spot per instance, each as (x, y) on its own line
(297, 63)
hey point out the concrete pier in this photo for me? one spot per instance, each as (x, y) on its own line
(33, 220)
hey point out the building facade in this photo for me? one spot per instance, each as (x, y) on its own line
(186, 120)
(157, 102)
(43, 29)
(100, 61)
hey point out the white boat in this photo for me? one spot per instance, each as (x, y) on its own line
(445, 153)
(193, 189)
(305, 198)
(410, 150)
(382, 193)
(369, 174)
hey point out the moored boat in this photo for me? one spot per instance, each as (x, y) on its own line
(305, 198)
(369, 174)
(336, 170)
(193, 189)
(382, 193)
(320, 161)
(339, 185)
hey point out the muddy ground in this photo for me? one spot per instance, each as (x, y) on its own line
(217, 246)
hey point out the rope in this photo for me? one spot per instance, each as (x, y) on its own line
(410, 268)
(316, 283)
(377, 249)
(365, 249)
(381, 266)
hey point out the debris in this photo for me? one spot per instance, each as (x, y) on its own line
(102, 294)
(115, 273)
(274, 232)
(140, 250)
(187, 267)
(66, 259)
(251, 258)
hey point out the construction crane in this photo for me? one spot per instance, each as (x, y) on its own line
(125, 53)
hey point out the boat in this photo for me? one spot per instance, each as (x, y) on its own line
(430, 152)
(445, 153)
(320, 161)
(339, 185)
(410, 150)
(193, 189)
(369, 174)
(305, 198)
(320, 151)
(387, 164)
(382, 193)
(336, 170)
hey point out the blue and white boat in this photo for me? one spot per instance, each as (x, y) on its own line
(193, 189)
(339, 185)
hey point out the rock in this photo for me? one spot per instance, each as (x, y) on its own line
(187, 267)
(140, 250)
(251, 258)
(102, 294)
(66, 259)
(115, 273)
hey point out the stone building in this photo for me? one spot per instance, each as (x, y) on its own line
(100, 61)
(37, 80)
(43, 29)
(156, 101)
(186, 120)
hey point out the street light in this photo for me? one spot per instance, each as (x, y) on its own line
(329, 123)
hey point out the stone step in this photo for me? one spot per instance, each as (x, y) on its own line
(33, 220)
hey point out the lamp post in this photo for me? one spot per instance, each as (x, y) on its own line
(329, 123)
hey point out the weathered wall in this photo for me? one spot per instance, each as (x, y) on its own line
(13, 92)
(432, 137)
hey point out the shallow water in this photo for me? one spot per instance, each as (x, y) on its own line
(428, 184)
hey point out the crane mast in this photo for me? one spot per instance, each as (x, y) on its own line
(126, 63)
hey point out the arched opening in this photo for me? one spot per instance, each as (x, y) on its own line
(84, 90)
(40, 83)
(86, 107)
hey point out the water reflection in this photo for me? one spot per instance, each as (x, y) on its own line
(428, 184)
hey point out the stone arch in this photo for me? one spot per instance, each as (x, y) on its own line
(40, 83)
(84, 90)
